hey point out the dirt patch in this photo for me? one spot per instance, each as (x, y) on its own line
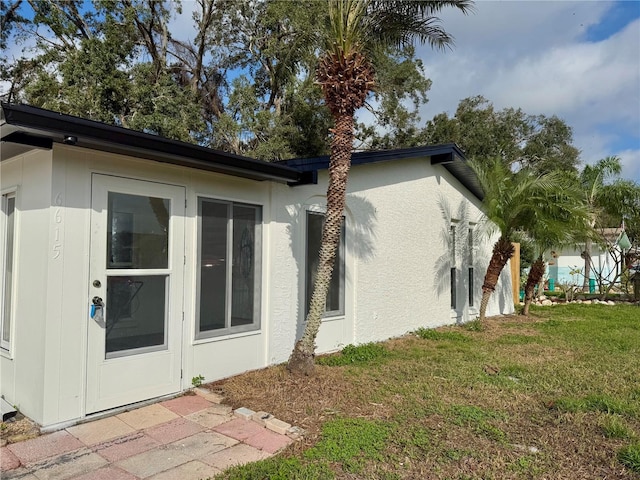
(17, 429)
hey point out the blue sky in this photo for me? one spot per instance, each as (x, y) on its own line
(579, 60)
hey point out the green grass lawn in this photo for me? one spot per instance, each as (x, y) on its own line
(553, 396)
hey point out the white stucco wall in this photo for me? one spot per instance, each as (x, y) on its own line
(22, 369)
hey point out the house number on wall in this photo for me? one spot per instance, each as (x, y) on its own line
(57, 217)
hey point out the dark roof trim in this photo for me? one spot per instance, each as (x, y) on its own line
(28, 140)
(448, 155)
(36, 126)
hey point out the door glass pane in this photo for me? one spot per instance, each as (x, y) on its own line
(138, 231)
(244, 265)
(213, 264)
(135, 312)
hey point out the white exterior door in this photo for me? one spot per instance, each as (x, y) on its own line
(136, 272)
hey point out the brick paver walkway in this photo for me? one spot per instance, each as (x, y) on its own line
(189, 437)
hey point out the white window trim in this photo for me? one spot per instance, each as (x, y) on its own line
(6, 346)
(331, 314)
(204, 336)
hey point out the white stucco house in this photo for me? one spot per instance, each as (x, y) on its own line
(131, 263)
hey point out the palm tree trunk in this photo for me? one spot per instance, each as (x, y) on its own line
(503, 250)
(301, 360)
(535, 275)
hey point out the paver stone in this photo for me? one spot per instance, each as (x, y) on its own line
(268, 441)
(239, 429)
(236, 455)
(99, 431)
(194, 470)
(174, 430)
(44, 446)
(147, 417)
(186, 404)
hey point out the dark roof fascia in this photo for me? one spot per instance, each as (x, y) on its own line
(448, 155)
(359, 158)
(40, 124)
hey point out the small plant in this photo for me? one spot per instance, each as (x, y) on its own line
(630, 457)
(197, 381)
(474, 325)
(570, 288)
(352, 354)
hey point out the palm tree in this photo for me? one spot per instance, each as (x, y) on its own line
(517, 203)
(356, 30)
(562, 221)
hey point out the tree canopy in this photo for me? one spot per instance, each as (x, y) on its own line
(519, 139)
(240, 78)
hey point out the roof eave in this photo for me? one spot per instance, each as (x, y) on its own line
(39, 126)
(449, 156)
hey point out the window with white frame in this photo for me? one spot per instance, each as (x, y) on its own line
(7, 242)
(335, 296)
(229, 260)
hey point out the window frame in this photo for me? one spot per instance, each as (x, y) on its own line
(7, 296)
(341, 258)
(229, 329)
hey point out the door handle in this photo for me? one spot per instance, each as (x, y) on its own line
(97, 310)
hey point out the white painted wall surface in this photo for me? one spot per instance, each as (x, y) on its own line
(23, 371)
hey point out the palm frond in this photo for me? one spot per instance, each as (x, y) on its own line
(363, 24)
(549, 208)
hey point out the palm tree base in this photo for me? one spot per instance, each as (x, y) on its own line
(301, 362)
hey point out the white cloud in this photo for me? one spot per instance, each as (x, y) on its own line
(534, 55)
(630, 164)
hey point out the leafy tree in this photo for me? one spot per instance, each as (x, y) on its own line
(243, 81)
(520, 140)
(523, 201)
(346, 74)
